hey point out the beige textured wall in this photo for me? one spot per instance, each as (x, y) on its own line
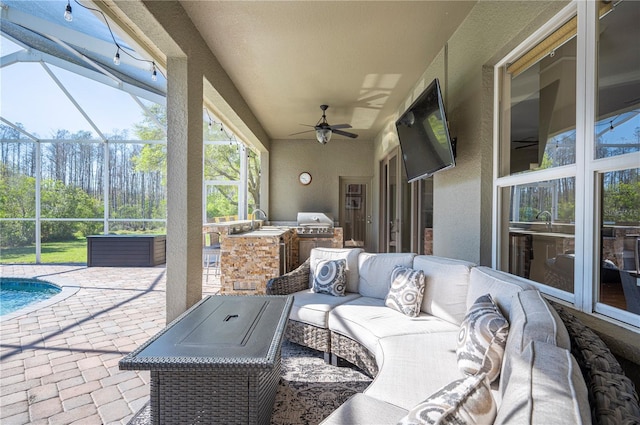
(463, 195)
(326, 163)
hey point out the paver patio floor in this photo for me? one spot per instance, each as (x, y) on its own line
(59, 363)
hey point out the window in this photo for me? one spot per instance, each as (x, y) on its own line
(543, 112)
(617, 127)
(542, 232)
(567, 177)
(620, 239)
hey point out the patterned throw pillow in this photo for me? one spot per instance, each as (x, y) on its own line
(330, 277)
(407, 290)
(482, 337)
(465, 401)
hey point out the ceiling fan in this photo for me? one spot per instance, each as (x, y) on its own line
(324, 130)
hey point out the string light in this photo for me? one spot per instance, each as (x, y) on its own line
(611, 125)
(67, 12)
(231, 137)
(116, 59)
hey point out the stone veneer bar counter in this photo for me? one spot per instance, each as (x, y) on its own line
(248, 260)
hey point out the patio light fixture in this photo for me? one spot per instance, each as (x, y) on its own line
(116, 58)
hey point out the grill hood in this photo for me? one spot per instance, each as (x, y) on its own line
(315, 219)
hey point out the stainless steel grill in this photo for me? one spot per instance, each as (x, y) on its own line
(314, 225)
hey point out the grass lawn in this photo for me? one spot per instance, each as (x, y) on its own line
(74, 251)
(52, 252)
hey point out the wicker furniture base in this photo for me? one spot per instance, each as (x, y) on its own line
(612, 395)
(350, 350)
(223, 396)
(308, 336)
(218, 363)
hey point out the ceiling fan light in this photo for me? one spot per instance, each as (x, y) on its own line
(323, 135)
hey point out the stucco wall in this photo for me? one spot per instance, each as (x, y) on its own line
(326, 163)
(463, 195)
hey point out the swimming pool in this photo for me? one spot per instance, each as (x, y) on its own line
(17, 293)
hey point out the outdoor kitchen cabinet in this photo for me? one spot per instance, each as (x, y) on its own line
(306, 245)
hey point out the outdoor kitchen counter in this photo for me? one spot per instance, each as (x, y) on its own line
(231, 227)
(249, 259)
(264, 231)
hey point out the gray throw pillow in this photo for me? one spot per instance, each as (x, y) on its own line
(330, 277)
(464, 401)
(482, 337)
(407, 290)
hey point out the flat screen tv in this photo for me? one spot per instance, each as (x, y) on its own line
(424, 135)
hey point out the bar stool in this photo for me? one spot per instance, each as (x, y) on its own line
(211, 252)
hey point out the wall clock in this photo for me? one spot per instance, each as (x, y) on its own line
(305, 178)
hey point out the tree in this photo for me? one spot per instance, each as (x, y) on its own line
(221, 162)
(17, 200)
(621, 202)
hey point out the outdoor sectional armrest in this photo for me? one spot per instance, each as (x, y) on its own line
(294, 281)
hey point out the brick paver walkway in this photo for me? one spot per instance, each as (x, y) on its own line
(59, 363)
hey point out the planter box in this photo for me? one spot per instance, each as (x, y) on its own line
(126, 250)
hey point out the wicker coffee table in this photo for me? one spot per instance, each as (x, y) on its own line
(219, 362)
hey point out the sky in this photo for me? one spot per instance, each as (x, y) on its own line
(28, 95)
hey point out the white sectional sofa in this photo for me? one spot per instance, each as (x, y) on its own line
(414, 358)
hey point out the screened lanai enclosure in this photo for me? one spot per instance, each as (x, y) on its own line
(83, 137)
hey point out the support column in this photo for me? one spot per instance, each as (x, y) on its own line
(184, 186)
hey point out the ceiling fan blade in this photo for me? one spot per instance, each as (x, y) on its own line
(332, 127)
(526, 146)
(345, 133)
(301, 132)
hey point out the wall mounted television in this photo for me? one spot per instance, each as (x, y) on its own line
(424, 135)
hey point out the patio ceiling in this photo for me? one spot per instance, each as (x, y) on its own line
(362, 58)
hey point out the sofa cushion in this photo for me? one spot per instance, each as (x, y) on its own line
(545, 387)
(375, 272)
(411, 367)
(349, 254)
(313, 309)
(407, 289)
(447, 281)
(464, 401)
(483, 335)
(330, 277)
(501, 285)
(532, 318)
(361, 409)
(367, 319)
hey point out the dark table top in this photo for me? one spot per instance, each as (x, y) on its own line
(113, 235)
(219, 331)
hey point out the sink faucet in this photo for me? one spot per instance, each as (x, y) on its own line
(548, 214)
(253, 216)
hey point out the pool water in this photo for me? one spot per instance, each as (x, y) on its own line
(16, 293)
